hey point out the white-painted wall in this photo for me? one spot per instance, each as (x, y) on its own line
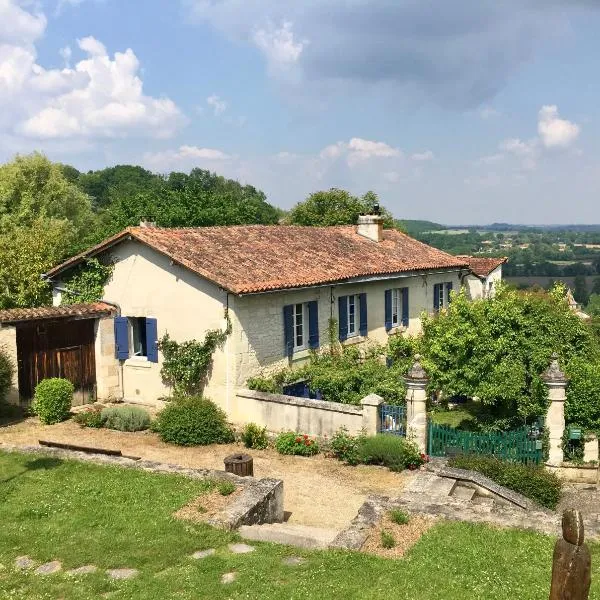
(483, 287)
(8, 344)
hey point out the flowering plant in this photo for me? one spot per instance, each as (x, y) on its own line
(290, 442)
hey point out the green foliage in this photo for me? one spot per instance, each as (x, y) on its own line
(255, 436)
(270, 384)
(399, 517)
(387, 540)
(346, 447)
(583, 394)
(580, 291)
(193, 421)
(290, 442)
(7, 370)
(90, 417)
(126, 418)
(226, 488)
(573, 450)
(532, 481)
(497, 349)
(52, 400)
(335, 207)
(186, 365)
(88, 281)
(391, 451)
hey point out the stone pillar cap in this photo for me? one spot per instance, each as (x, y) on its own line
(553, 373)
(416, 372)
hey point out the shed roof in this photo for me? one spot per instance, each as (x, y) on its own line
(80, 311)
(483, 266)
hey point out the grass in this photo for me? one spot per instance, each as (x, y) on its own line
(80, 513)
(387, 539)
(399, 517)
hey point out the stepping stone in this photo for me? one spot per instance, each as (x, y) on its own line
(49, 568)
(83, 570)
(122, 573)
(203, 553)
(24, 562)
(228, 577)
(293, 561)
(241, 548)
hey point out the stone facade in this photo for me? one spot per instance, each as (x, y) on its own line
(108, 370)
(483, 287)
(8, 343)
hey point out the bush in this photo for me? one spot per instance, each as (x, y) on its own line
(346, 447)
(52, 400)
(533, 481)
(296, 443)
(193, 421)
(255, 437)
(125, 418)
(399, 517)
(91, 417)
(226, 488)
(7, 370)
(391, 451)
(387, 539)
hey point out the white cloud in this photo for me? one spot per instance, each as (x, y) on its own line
(554, 131)
(359, 150)
(185, 157)
(279, 45)
(518, 147)
(218, 105)
(423, 156)
(487, 112)
(490, 159)
(100, 97)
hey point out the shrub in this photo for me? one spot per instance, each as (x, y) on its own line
(193, 421)
(392, 451)
(296, 443)
(126, 418)
(387, 539)
(346, 447)
(533, 481)
(226, 488)
(52, 400)
(90, 417)
(399, 517)
(255, 436)
(7, 370)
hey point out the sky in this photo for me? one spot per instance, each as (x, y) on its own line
(459, 111)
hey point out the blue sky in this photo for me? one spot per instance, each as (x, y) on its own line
(458, 112)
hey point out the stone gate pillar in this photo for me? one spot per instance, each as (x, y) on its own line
(557, 382)
(416, 404)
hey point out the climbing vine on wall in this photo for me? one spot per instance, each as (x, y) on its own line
(87, 282)
(186, 364)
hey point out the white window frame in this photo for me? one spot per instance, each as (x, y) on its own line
(354, 301)
(303, 312)
(443, 295)
(141, 322)
(397, 303)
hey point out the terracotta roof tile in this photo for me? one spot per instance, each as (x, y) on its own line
(13, 315)
(482, 266)
(257, 258)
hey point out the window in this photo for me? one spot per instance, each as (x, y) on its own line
(352, 303)
(299, 326)
(396, 308)
(441, 295)
(139, 345)
(352, 315)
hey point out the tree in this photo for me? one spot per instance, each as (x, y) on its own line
(335, 207)
(596, 286)
(496, 349)
(32, 187)
(580, 292)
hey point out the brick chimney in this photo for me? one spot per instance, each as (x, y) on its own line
(371, 226)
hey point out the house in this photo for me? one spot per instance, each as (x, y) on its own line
(280, 288)
(484, 275)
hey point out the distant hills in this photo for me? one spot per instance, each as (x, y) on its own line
(415, 226)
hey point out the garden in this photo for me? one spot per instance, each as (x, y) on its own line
(59, 510)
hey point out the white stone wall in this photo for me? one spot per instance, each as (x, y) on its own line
(108, 370)
(8, 343)
(259, 332)
(486, 288)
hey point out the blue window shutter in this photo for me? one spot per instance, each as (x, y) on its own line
(448, 290)
(288, 329)
(121, 338)
(151, 339)
(436, 296)
(362, 300)
(343, 317)
(313, 324)
(388, 310)
(405, 307)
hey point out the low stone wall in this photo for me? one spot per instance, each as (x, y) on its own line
(278, 412)
(577, 473)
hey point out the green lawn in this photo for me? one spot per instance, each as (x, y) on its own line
(80, 513)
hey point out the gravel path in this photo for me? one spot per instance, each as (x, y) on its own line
(319, 491)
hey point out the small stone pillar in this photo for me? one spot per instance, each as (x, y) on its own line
(557, 382)
(370, 410)
(416, 404)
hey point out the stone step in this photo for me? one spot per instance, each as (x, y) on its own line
(462, 492)
(291, 534)
(440, 487)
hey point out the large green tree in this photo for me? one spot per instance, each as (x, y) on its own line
(496, 349)
(335, 207)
